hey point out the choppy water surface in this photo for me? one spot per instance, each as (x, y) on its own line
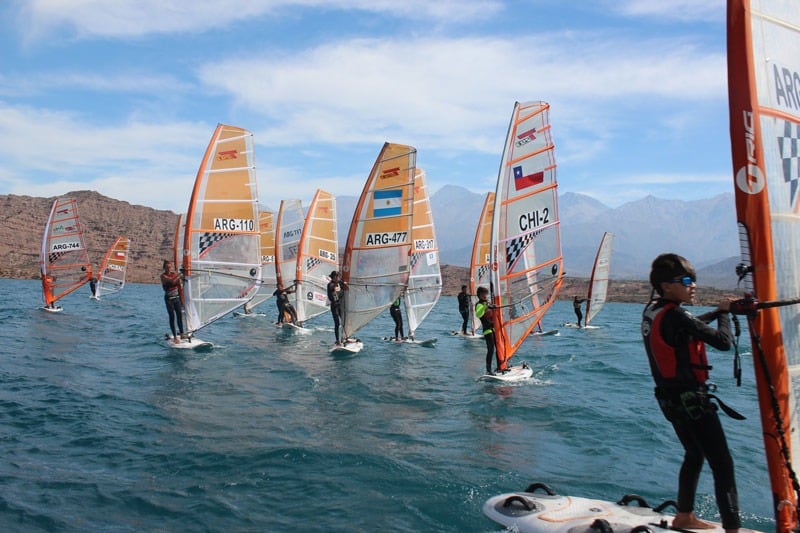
(106, 428)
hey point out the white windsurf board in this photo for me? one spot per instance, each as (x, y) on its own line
(533, 512)
(192, 343)
(519, 372)
(349, 347)
(56, 309)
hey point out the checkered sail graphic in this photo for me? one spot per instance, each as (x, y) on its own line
(424, 280)
(525, 246)
(764, 116)
(221, 254)
(63, 260)
(317, 256)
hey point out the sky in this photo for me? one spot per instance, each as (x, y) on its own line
(122, 96)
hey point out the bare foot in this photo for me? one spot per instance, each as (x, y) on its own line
(690, 521)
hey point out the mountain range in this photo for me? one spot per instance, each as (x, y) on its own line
(704, 231)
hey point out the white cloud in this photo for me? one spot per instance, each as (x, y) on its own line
(683, 10)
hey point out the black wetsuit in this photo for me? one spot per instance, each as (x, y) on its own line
(463, 308)
(674, 342)
(335, 293)
(397, 316)
(172, 298)
(576, 306)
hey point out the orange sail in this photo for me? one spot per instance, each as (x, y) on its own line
(763, 69)
(64, 261)
(479, 264)
(526, 261)
(113, 268)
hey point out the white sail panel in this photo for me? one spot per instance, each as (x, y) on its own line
(222, 259)
(113, 269)
(318, 256)
(598, 282)
(288, 229)
(64, 260)
(425, 278)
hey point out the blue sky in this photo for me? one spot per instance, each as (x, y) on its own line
(122, 96)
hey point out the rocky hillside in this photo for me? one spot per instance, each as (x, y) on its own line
(22, 220)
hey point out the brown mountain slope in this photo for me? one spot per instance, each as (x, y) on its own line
(22, 220)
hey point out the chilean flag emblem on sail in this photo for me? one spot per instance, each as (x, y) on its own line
(521, 181)
(387, 203)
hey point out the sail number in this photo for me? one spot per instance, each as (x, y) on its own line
(424, 244)
(389, 237)
(534, 219)
(64, 246)
(325, 254)
(234, 224)
(267, 259)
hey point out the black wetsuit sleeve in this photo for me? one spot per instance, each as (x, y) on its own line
(680, 326)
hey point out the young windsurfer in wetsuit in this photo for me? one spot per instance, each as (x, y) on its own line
(48, 282)
(335, 294)
(675, 344)
(284, 305)
(485, 313)
(576, 306)
(463, 308)
(171, 282)
(397, 316)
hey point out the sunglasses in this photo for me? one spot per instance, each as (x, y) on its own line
(686, 281)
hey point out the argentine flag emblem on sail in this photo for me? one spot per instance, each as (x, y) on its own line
(387, 203)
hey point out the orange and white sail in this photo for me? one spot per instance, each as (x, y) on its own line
(763, 74)
(598, 282)
(479, 267)
(288, 229)
(525, 255)
(111, 278)
(318, 255)
(268, 277)
(64, 260)
(222, 241)
(375, 262)
(425, 278)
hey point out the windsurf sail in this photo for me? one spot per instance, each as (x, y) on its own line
(318, 256)
(375, 262)
(287, 241)
(268, 277)
(222, 241)
(763, 73)
(425, 278)
(525, 252)
(479, 265)
(598, 282)
(113, 268)
(64, 260)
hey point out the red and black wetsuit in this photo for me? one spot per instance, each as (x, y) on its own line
(172, 298)
(675, 344)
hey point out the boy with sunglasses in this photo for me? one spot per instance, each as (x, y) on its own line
(675, 344)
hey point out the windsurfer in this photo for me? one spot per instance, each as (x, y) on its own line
(397, 316)
(93, 285)
(47, 287)
(675, 344)
(284, 305)
(485, 312)
(576, 306)
(171, 283)
(463, 308)
(335, 294)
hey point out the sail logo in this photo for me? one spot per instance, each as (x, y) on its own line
(385, 238)
(119, 254)
(387, 203)
(787, 87)
(227, 154)
(750, 178)
(65, 246)
(390, 173)
(112, 266)
(525, 137)
(63, 211)
(523, 181)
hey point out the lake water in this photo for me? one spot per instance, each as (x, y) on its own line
(105, 428)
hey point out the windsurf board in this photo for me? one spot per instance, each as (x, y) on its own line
(56, 309)
(519, 372)
(349, 347)
(239, 314)
(548, 512)
(466, 335)
(188, 344)
(546, 332)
